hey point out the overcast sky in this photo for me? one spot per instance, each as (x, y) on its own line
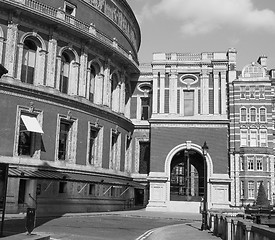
(197, 26)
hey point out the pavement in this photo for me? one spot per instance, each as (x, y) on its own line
(186, 231)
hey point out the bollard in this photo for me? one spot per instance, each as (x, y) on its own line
(30, 220)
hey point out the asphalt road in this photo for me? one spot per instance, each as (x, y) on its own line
(96, 227)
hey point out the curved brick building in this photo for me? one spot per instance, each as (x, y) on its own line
(65, 104)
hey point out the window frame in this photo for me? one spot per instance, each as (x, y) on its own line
(115, 149)
(262, 115)
(259, 163)
(243, 133)
(251, 190)
(243, 118)
(97, 146)
(255, 132)
(36, 140)
(252, 109)
(71, 143)
(250, 163)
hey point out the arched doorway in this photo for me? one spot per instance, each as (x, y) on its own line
(187, 176)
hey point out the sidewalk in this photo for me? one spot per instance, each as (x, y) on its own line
(186, 231)
(178, 232)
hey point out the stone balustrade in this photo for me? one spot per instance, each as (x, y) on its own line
(231, 227)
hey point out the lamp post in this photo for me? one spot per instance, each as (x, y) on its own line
(204, 211)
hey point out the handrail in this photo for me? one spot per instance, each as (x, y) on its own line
(60, 14)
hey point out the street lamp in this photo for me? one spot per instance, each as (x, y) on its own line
(204, 210)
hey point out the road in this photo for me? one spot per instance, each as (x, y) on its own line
(96, 227)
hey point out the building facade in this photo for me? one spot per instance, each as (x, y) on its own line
(251, 133)
(65, 105)
(188, 96)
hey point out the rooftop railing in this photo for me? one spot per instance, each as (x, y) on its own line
(89, 29)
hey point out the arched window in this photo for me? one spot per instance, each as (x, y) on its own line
(253, 114)
(29, 60)
(243, 114)
(262, 114)
(64, 73)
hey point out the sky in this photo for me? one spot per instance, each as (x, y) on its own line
(196, 26)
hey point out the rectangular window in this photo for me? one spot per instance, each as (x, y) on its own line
(66, 139)
(251, 190)
(250, 163)
(241, 163)
(259, 163)
(253, 138)
(242, 190)
(92, 189)
(64, 136)
(114, 162)
(188, 103)
(144, 157)
(69, 9)
(243, 138)
(62, 187)
(93, 144)
(29, 132)
(145, 108)
(263, 138)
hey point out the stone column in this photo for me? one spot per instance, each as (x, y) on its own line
(1, 47)
(11, 45)
(52, 64)
(83, 72)
(73, 79)
(88, 82)
(162, 90)
(155, 93)
(20, 61)
(40, 68)
(107, 84)
(173, 93)
(216, 93)
(223, 93)
(122, 94)
(204, 92)
(58, 72)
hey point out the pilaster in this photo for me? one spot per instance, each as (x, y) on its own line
(83, 72)
(122, 94)
(173, 93)
(155, 93)
(73, 79)
(19, 62)
(11, 45)
(51, 63)
(216, 93)
(223, 93)
(107, 84)
(40, 68)
(204, 92)
(1, 47)
(162, 90)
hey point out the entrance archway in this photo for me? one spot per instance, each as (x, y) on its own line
(187, 195)
(187, 176)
